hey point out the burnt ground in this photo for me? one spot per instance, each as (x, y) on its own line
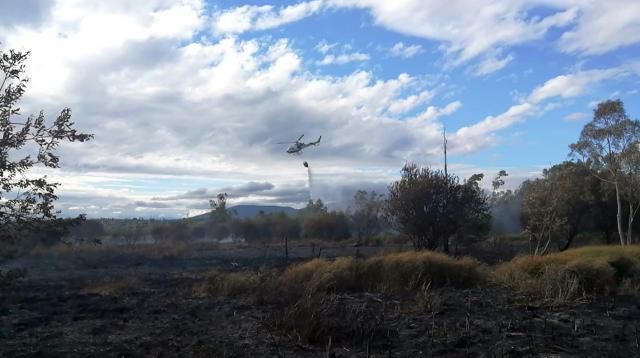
(62, 309)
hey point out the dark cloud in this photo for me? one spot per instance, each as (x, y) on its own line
(151, 204)
(239, 191)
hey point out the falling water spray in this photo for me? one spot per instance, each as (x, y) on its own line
(309, 179)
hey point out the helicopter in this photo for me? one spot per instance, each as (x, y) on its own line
(297, 146)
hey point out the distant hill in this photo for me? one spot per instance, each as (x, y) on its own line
(249, 211)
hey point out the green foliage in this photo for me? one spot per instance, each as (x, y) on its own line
(565, 202)
(429, 207)
(26, 202)
(609, 146)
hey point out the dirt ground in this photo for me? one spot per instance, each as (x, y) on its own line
(101, 305)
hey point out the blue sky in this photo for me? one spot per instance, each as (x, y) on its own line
(188, 98)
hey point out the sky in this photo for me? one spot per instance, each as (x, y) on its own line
(189, 98)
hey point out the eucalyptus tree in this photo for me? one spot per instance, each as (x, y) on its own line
(609, 145)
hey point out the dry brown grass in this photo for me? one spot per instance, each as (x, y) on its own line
(218, 283)
(392, 273)
(311, 301)
(574, 274)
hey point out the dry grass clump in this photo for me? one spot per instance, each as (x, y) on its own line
(428, 299)
(341, 319)
(219, 283)
(574, 274)
(317, 293)
(411, 270)
(113, 286)
(392, 273)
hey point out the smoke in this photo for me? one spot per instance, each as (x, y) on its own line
(505, 216)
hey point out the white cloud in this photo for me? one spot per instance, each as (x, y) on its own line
(480, 134)
(603, 26)
(492, 64)
(572, 85)
(468, 29)
(432, 112)
(577, 116)
(406, 104)
(404, 51)
(253, 17)
(344, 58)
(323, 47)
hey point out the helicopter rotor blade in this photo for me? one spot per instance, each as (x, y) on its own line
(300, 138)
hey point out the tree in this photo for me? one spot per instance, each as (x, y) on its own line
(429, 206)
(313, 208)
(608, 144)
(566, 201)
(283, 226)
(471, 208)
(541, 214)
(366, 218)
(27, 202)
(327, 226)
(220, 217)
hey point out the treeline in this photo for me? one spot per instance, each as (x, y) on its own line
(365, 220)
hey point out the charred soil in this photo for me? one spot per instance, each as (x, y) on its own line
(146, 307)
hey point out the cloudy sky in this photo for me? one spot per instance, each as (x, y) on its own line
(188, 98)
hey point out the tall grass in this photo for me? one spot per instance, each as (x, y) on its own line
(391, 273)
(576, 274)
